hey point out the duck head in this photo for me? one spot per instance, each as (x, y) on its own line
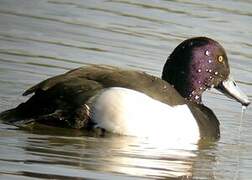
(198, 64)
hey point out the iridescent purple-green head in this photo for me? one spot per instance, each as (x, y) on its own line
(198, 64)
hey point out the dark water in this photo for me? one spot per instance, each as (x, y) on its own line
(42, 38)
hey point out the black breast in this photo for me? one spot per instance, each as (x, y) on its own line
(206, 119)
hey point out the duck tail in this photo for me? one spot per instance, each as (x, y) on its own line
(15, 117)
(8, 115)
(12, 116)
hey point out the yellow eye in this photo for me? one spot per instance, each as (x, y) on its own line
(220, 59)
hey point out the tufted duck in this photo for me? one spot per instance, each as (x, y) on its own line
(134, 103)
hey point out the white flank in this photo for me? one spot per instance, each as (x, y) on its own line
(129, 112)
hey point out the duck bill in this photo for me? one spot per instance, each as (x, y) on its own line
(230, 89)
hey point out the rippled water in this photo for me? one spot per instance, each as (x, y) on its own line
(39, 39)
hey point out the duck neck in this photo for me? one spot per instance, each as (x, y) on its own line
(189, 84)
(195, 95)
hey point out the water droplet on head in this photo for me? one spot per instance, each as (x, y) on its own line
(210, 61)
(199, 82)
(216, 73)
(199, 70)
(207, 53)
(210, 70)
(201, 88)
(196, 97)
